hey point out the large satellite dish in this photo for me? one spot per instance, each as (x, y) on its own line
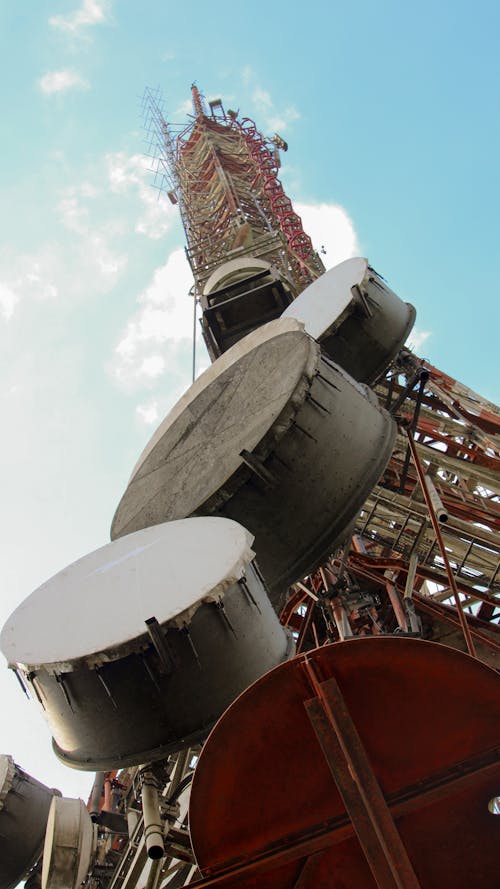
(136, 649)
(278, 795)
(274, 436)
(360, 323)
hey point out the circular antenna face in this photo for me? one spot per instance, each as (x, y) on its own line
(69, 842)
(137, 649)
(272, 773)
(274, 436)
(24, 807)
(325, 301)
(360, 323)
(104, 599)
(229, 409)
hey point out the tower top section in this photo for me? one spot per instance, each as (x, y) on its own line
(224, 175)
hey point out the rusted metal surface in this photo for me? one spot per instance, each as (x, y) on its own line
(360, 791)
(264, 799)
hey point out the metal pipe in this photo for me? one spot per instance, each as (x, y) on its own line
(341, 620)
(437, 503)
(444, 555)
(108, 779)
(96, 796)
(421, 376)
(182, 763)
(194, 337)
(395, 601)
(413, 426)
(153, 827)
(305, 624)
(410, 577)
(153, 876)
(132, 820)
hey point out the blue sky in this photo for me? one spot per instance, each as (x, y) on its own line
(391, 114)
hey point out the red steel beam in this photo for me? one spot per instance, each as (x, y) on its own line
(444, 555)
(357, 784)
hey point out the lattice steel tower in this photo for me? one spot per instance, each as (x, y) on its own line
(225, 177)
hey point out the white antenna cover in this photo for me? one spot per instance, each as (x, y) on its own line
(69, 844)
(102, 600)
(324, 302)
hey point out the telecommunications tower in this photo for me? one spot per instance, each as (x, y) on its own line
(283, 668)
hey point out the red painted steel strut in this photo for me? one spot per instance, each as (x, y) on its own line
(289, 222)
(437, 530)
(357, 784)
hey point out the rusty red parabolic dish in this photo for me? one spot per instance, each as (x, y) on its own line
(265, 809)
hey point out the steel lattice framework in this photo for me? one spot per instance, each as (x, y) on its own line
(224, 175)
(396, 562)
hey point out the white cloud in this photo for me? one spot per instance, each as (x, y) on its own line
(132, 173)
(8, 301)
(88, 190)
(125, 171)
(36, 279)
(61, 82)
(184, 108)
(247, 75)
(57, 155)
(82, 264)
(74, 216)
(148, 413)
(108, 263)
(99, 214)
(417, 339)
(330, 228)
(163, 321)
(262, 99)
(152, 366)
(105, 263)
(26, 276)
(90, 13)
(279, 123)
(158, 336)
(274, 119)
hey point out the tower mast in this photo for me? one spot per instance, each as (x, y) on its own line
(238, 220)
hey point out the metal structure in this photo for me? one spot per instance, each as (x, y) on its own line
(147, 684)
(223, 175)
(425, 556)
(401, 571)
(419, 564)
